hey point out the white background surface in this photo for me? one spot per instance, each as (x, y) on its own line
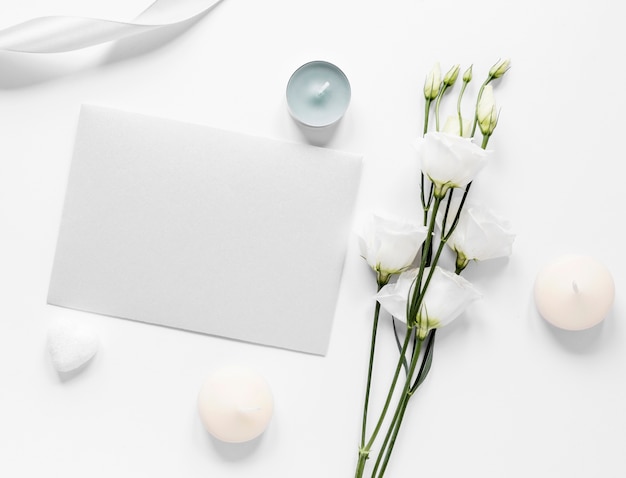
(508, 395)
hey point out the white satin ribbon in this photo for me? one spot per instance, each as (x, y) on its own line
(56, 34)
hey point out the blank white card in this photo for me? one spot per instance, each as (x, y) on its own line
(201, 229)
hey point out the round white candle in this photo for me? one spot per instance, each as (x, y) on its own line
(318, 94)
(235, 404)
(574, 292)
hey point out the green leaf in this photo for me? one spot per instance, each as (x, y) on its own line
(427, 360)
(395, 334)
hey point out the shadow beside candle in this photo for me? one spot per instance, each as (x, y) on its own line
(318, 136)
(235, 451)
(575, 341)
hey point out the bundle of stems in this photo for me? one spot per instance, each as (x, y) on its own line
(416, 343)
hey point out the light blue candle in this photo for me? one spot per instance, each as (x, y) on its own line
(318, 94)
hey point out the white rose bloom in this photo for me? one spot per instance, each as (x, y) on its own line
(449, 161)
(389, 246)
(446, 298)
(479, 235)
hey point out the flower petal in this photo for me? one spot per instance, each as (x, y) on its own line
(390, 245)
(393, 297)
(449, 159)
(446, 297)
(480, 233)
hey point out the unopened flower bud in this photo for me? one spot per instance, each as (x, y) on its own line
(433, 83)
(467, 76)
(451, 76)
(500, 68)
(486, 112)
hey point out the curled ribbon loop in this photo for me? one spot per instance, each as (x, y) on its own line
(56, 34)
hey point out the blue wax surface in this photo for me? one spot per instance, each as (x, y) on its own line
(318, 94)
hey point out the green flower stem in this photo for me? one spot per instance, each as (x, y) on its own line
(442, 243)
(368, 387)
(398, 415)
(394, 428)
(447, 211)
(417, 298)
(485, 141)
(364, 450)
(393, 433)
(426, 254)
(360, 467)
(480, 94)
(426, 115)
(446, 235)
(408, 391)
(388, 436)
(414, 303)
(425, 205)
(441, 93)
(458, 108)
(369, 373)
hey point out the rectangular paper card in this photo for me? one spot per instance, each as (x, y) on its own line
(212, 231)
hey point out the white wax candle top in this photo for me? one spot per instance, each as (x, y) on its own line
(235, 404)
(574, 292)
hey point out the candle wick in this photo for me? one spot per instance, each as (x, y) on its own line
(575, 287)
(323, 89)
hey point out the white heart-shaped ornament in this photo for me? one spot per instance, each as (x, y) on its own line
(71, 343)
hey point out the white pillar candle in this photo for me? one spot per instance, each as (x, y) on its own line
(574, 292)
(235, 404)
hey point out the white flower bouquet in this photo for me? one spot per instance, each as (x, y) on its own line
(412, 285)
